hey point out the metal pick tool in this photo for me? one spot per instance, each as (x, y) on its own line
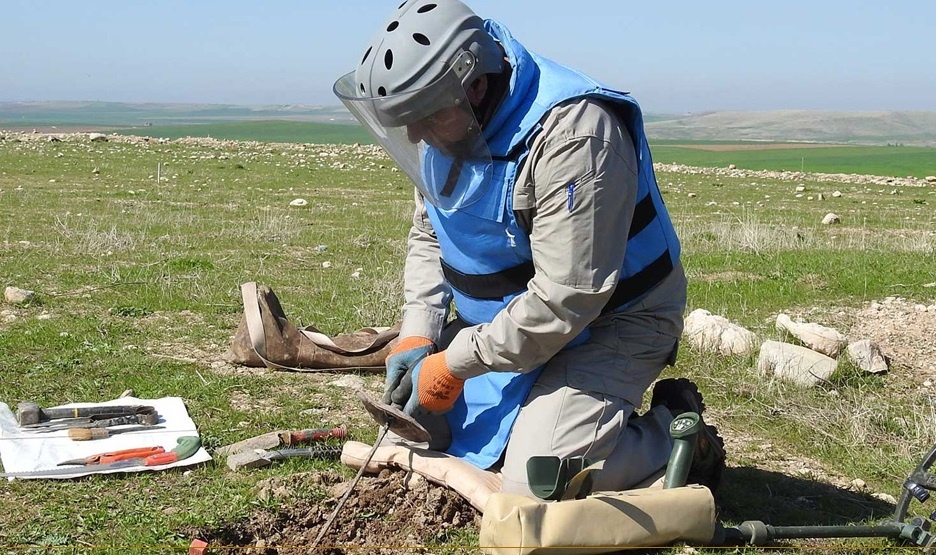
(389, 418)
(398, 421)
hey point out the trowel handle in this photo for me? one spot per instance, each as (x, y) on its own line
(685, 433)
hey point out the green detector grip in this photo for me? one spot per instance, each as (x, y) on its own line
(685, 433)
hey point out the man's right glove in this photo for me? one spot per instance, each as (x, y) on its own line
(404, 356)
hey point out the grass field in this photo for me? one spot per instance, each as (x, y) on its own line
(888, 161)
(137, 287)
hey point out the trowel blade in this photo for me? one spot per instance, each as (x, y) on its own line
(396, 420)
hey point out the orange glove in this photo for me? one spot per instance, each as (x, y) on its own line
(436, 387)
(404, 356)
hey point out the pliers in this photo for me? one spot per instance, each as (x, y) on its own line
(114, 456)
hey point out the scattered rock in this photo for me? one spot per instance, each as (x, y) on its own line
(930, 178)
(710, 333)
(831, 218)
(885, 497)
(794, 363)
(299, 202)
(867, 356)
(818, 338)
(15, 295)
(97, 137)
(349, 382)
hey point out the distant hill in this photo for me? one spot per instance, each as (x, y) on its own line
(123, 114)
(865, 128)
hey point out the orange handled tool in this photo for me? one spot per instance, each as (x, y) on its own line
(114, 456)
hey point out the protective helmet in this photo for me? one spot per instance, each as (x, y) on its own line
(422, 48)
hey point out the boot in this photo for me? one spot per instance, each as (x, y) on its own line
(680, 395)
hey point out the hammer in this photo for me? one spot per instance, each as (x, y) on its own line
(28, 413)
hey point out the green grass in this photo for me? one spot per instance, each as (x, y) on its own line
(137, 287)
(887, 161)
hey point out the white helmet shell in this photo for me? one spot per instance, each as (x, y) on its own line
(421, 42)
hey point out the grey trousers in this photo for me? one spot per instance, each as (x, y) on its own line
(585, 399)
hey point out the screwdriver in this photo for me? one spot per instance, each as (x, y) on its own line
(87, 434)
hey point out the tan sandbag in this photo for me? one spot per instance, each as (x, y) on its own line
(601, 523)
(265, 337)
(469, 481)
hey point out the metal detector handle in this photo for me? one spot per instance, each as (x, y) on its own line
(684, 430)
(916, 485)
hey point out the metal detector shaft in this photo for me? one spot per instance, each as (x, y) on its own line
(756, 533)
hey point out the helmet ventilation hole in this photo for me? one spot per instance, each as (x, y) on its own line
(426, 8)
(362, 89)
(382, 91)
(366, 54)
(392, 27)
(421, 39)
(388, 59)
(401, 5)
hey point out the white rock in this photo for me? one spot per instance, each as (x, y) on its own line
(326, 264)
(15, 295)
(837, 194)
(831, 218)
(801, 188)
(858, 484)
(97, 137)
(931, 178)
(827, 341)
(866, 355)
(299, 202)
(710, 333)
(348, 381)
(794, 363)
(885, 497)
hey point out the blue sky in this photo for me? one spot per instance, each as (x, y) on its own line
(673, 55)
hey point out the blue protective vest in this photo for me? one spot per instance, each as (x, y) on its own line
(486, 255)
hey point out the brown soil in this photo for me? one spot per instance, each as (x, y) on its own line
(389, 514)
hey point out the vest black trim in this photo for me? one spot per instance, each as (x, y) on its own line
(635, 286)
(490, 286)
(644, 213)
(498, 285)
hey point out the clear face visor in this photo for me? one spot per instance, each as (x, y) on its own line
(431, 133)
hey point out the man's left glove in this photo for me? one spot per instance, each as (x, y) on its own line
(435, 388)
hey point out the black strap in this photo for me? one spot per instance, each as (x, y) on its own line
(498, 285)
(644, 213)
(452, 179)
(489, 286)
(633, 287)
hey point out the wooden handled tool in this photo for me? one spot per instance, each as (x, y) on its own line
(87, 434)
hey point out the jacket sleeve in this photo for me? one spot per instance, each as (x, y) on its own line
(427, 296)
(580, 184)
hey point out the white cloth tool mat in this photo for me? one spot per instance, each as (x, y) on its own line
(23, 451)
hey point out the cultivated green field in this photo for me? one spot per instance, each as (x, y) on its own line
(137, 287)
(901, 161)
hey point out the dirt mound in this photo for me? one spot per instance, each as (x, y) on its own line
(391, 513)
(904, 331)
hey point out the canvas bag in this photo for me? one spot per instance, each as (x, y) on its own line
(265, 337)
(603, 522)
(514, 524)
